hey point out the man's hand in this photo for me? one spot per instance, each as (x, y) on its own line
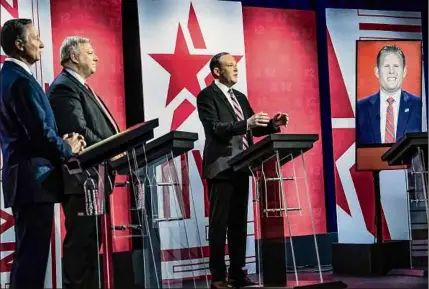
(280, 119)
(76, 142)
(258, 119)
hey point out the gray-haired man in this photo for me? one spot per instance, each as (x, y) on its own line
(77, 108)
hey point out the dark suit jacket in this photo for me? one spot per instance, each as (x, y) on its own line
(77, 110)
(223, 131)
(31, 147)
(368, 118)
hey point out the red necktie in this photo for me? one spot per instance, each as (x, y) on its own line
(389, 134)
(239, 115)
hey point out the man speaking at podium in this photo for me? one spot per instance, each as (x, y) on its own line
(78, 108)
(229, 125)
(32, 152)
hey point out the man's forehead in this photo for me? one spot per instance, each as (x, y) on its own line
(32, 30)
(227, 59)
(86, 46)
(391, 56)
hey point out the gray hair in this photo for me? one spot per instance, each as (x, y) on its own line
(70, 45)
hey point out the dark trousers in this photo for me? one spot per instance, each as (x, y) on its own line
(228, 219)
(81, 245)
(33, 229)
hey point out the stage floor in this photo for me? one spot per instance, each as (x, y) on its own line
(377, 282)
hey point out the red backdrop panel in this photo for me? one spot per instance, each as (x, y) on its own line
(100, 21)
(281, 67)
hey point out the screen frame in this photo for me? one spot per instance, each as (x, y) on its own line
(382, 145)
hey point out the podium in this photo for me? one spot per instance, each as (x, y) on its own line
(173, 144)
(264, 161)
(112, 146)
(162, 211)
(92, 165)
(412, 151)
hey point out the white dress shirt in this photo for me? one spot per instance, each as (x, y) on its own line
(225, 89)
(383, 110)
(76, 75)
(20, 63)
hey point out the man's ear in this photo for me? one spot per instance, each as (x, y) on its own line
(19, 44)
(74, 58)
(216, 71)
(376, 72)
(405, 72)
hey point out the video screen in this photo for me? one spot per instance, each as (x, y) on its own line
(388, 97)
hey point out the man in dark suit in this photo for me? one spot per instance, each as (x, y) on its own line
(387, 115)
(78, 108)
(229, 125)
(32, 151)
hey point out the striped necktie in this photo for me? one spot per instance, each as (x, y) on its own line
(239, 114)
(389, 134)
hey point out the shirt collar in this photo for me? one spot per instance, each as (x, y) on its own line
(396, 96)
(225, 89)
(20, 63)
(75, 75)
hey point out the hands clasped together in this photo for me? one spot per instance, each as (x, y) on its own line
(76, 142)
(262, 119)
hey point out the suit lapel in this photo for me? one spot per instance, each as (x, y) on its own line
(28, 75)
(92, 97)
(224, 99)
(83, 88)
(374, 117)
(404, 113)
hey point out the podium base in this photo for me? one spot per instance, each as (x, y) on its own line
(411, 272)
(369, 259)
(312, 285)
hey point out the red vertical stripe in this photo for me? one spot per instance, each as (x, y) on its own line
(195, 30)
(199, 163)
(185, 186)
(2, 57)
(53, 257)
(107, 240)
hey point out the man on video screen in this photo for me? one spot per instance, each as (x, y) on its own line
(387, 115)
